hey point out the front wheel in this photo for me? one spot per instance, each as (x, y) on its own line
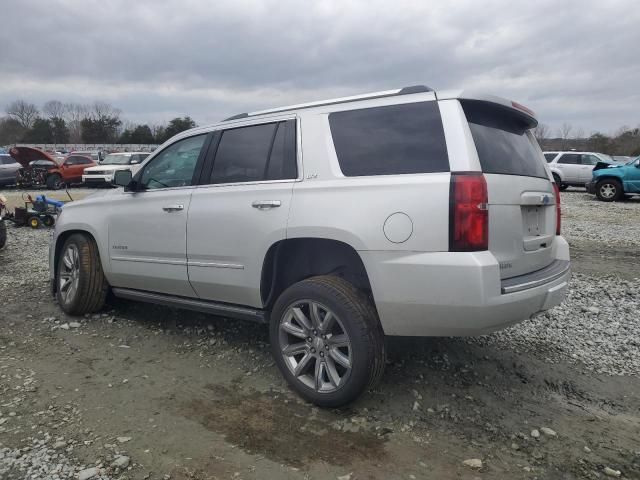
(609, 190)
(81, 285)
(54, 181)
(327, 340)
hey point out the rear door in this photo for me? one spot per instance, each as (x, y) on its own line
(522, 218)
(241, 210)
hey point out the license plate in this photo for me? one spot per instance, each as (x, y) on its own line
(532, 218)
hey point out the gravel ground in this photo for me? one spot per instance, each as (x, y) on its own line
(144, 392)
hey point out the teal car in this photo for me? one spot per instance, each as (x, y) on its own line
(613, 182)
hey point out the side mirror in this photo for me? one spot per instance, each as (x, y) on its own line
(122, 178)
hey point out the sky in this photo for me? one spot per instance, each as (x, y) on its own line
(572, 62)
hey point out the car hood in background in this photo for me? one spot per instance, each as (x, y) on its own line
(25, 155)
(107, 168)
(601, 165)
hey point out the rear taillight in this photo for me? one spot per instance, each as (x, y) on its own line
(556, 189)
(468, 213)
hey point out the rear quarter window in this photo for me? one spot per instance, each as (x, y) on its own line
(395, 139)
(502, 140)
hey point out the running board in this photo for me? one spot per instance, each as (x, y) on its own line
(204, 306)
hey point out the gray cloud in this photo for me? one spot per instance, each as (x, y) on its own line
(570, 61)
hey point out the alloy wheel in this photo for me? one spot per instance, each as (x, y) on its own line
(607, 190)
(69, 274)
(315, 346)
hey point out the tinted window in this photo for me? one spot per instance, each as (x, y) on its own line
(255, 153)
(502, 141)
(174, 166)
(390, 140)
(84, 161)
(549, 156)
(569, 158)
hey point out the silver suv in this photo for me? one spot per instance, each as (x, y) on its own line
(404, 212)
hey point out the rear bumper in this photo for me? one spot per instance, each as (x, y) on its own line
(591, 187)
(460, 294)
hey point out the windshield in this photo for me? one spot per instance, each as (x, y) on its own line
(633, 160)
(116, 160)
(607, 158)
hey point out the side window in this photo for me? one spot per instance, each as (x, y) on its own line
(549, 156)
(83, 161)
(569, 159)
(174, 166)
(396, 139)
(255, 153)
(589, 159)
(71, 161)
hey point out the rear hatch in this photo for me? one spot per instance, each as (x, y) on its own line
(522, 215)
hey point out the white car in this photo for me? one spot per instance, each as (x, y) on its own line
(405, 212)
(103, 174)
(573, 169)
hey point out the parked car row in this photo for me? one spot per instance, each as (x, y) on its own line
(600, 174)
(29, 167)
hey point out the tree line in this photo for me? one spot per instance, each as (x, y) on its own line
(624, 141)
(58, 122)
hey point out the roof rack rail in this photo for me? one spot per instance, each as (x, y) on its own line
(236, 117)
(387, 93)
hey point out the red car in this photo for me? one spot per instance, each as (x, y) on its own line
(41, 169)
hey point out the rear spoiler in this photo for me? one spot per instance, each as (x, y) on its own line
(525, 114)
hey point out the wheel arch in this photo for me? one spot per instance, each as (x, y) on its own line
(291, 260)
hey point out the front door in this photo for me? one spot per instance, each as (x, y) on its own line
(587, 163)
(631, 177)
(569, 165)
(147, 227)
(241, 210)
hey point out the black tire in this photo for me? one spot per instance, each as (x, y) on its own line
(356, 316)
(54, 181)
(91, 287)
(609, 190)
(48, 221)
(34, 222)
(3, 233)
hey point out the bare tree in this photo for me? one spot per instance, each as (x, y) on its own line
(579, 133)
(53, 109)
(101, 110)
(23, 112)
(541, 132)
(564, 133)
(73, 115)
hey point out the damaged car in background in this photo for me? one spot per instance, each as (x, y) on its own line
(39, 169)
(614, 182)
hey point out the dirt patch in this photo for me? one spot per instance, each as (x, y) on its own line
(281, 430)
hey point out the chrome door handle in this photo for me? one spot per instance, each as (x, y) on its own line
(265, 204)
(173, 208)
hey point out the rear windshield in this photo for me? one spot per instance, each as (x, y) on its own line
(502, 142)
(550, 156)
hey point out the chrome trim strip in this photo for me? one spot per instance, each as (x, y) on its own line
(205, 306)
(235, 266)
(555, 270)
(149, 260)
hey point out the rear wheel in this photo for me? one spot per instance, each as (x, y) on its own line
(81, 285)
(327, 340)
(54, 181)
(609, 190)
(48, 220)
